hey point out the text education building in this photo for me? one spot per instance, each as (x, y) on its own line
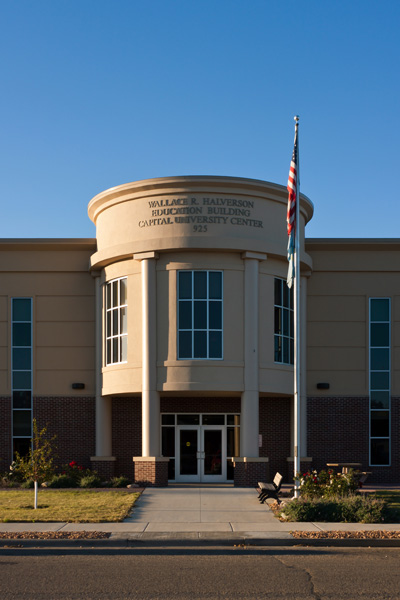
(163, 349)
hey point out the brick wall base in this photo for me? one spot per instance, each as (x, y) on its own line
(126, 433)
(5, 436)
(199, 404)
(338, 431)
(151, 472)
(105, 468)
(72, 420)
(248, 474)
(275, 432)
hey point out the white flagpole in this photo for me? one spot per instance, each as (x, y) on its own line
(297, 412)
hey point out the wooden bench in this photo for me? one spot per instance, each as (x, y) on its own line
(270, 490)
(363, 476)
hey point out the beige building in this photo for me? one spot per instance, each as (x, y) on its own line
(163, 349)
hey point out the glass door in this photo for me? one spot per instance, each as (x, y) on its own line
(201, 454)
(189, 454)
(213, 463)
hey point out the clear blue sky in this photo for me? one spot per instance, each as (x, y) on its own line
(97, 93)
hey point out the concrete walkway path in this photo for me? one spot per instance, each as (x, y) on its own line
(200, 509)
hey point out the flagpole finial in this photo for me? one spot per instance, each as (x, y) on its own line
(297, 119)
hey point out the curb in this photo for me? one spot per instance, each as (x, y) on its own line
(238, 542)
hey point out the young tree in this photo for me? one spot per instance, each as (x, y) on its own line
(38, 463)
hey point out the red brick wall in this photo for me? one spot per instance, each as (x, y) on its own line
(338, 431)
(153, 474)
(395, 433)
(5, 437)
(126, 433)
(72, 420)
(248, 474)
(200, 405)
(105, 468)
(275, 431)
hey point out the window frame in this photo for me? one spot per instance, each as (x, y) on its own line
(387, 390)
(15, 370)
(110, 336)
(175, 426)
(207, 329)
(281, 336)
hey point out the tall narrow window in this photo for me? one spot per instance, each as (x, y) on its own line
(200, 315)
(21, 373)
(116, 321)
(379, 380)
(284, 323)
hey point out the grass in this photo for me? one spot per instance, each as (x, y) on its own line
(392, 498)
(72, 506)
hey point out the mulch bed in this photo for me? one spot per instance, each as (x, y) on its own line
(54, 535)
(344, 535)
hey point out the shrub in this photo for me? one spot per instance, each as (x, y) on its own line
(14, 477)
(121, 481)
(79, 474)
(8, 482)
(62, 481)
(351, 509)
(38, 463)
(90, 481)
(327, 484)
(364, 509)
(28, 484)
(75, 471)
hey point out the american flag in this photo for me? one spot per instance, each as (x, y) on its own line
(291, 212)
(291, 186)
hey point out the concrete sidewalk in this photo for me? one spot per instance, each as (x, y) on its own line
(206, 513)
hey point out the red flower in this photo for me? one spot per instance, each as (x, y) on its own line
(72, 463)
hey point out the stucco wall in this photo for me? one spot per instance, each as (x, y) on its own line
(56, 276)
(346, 273)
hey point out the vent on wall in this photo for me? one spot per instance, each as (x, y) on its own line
(323, 386)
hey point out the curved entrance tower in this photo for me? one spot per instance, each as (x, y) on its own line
(194, 320)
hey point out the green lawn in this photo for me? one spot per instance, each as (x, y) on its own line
(393, 500)
(73, 506)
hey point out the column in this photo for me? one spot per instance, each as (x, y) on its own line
(103, 462)
(250, 468)
(150, 467)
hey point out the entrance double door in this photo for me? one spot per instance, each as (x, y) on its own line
(201, 453)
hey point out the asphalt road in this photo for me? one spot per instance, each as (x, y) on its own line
(298, 573)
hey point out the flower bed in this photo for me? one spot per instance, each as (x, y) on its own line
(331, 497)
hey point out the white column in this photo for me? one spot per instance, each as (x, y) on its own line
(150, 395)
(103, 403)
(249, 423)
